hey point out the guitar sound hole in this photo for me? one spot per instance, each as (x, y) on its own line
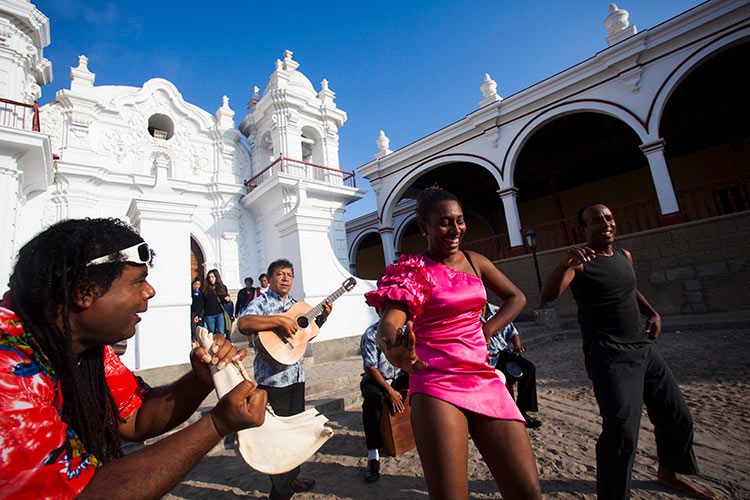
(302, 322)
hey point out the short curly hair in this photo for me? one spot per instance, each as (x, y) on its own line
(431, 196)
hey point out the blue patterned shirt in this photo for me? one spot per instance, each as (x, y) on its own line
(500, 341)
(267, 370)
(373, 357)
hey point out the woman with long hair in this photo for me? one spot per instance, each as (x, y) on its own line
(214, 295)
(430, 328)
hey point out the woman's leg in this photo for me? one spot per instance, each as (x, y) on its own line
(442, 437)
(220, 325)
(210, 323)
(504, 445)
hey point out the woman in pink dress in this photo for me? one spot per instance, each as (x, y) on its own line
(431, 329)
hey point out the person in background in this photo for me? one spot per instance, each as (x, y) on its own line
(214, 295)
(195, 306)
(505, 347)
(263, 281)
(244, 296)
(380, 380)
(67, 400)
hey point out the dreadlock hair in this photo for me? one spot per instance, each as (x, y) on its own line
(50, 271)
(579, 216)
(429, 197)
(219, 288)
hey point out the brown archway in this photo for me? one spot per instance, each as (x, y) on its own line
(577, 159)
(706, 131)
(197, 261)
(369, 261)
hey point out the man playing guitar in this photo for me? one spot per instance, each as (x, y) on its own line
(285, 384)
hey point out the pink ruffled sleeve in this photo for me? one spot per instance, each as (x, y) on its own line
(404, 282)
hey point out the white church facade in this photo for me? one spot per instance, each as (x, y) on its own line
(184, 177)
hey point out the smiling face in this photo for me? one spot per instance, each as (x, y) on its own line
(281, 280)
(445, 228)
(110, 318)
(599, 226)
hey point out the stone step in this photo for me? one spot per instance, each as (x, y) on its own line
(339, 401)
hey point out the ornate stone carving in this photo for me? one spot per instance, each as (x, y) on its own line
(51, 122)
(6, 32)
(198, 160)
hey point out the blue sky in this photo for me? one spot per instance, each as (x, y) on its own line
(409, 68)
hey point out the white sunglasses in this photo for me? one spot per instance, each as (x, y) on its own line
(137, 254)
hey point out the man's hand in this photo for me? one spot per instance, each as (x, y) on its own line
(401, 353)
(287, 326)
(653, 326)
(242, 407)
(323, 317)
(221, 353)
(396, 400)
(518, 350)
(576, 256)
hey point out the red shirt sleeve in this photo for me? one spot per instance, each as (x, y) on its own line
(40, 457)
(128, 390)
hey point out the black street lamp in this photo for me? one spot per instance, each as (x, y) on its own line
(531, 243)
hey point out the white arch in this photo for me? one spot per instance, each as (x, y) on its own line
(684, 69)
(198, 233)
(582, 106)
(406, 181)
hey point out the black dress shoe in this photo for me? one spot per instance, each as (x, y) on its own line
(300, 485)
(373, 471)
(531, 422)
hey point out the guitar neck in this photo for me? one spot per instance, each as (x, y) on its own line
(315, 311)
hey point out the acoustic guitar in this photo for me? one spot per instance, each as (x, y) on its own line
(289, 350)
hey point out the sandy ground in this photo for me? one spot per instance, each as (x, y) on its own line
(713, 369)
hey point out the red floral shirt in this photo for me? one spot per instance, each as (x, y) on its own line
(40, 456)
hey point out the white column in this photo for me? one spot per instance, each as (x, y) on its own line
(654, 152)
(512, 219)
(163, 336)
(389, 250)
(8, 211)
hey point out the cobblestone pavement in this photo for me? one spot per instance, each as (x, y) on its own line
(712, 367)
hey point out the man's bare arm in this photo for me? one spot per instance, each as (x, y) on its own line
(254, 323)
(561, 277)
(152, 471)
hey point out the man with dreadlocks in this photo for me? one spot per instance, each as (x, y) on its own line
(67, 400)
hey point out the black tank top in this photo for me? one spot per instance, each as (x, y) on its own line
(605, 294)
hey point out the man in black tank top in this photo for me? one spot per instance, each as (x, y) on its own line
(624, 368)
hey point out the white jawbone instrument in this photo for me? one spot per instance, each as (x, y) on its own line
(281, 443)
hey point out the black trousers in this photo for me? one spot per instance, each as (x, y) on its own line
(285, 401)
(526, 385)
(624, 377)
(372, 408)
